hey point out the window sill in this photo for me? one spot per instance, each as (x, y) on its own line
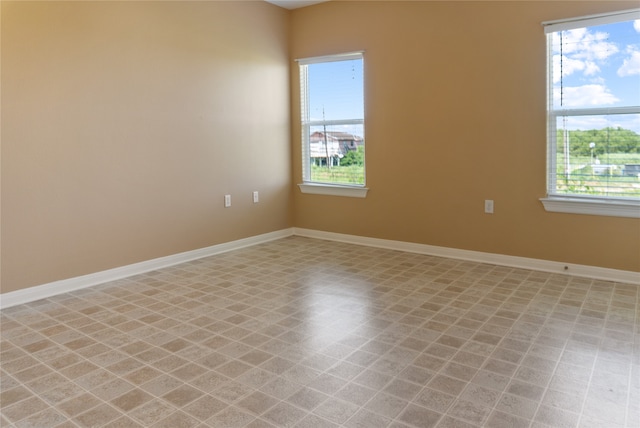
(333, 190)
(592, 206)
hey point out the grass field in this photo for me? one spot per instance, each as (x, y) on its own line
(352, 174)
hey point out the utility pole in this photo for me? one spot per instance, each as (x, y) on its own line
(324, 132)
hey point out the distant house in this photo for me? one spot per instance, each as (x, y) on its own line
(333, 146)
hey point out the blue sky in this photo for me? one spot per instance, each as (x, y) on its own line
(336, 87)
(600, 68)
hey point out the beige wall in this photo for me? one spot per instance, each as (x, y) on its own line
(125, 123)
(455, 114)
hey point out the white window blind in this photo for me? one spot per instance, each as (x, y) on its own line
(594, 108)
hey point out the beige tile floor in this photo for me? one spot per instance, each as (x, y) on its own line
(309, 333)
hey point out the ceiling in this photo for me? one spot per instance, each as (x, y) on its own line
(294, 4)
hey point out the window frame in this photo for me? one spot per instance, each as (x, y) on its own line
(575, 203)
(314, 187)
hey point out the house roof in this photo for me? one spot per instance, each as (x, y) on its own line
(337, 135)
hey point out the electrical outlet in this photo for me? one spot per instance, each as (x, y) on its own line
(256, 197)
(227, 201)
(488, 206)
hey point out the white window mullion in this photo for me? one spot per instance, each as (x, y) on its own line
(597, 111)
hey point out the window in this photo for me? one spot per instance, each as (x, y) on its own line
(332, 107)
(593, 115)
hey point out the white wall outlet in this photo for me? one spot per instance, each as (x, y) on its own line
(256, 197)
(488, 206)
(227, 201)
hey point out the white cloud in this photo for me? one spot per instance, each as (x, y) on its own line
(583, 96)
(591, 68)
(581, 43)
(581, 51)
(631, 65)
(636, 25)
(569, 66)
(570, 39)
(597, 47)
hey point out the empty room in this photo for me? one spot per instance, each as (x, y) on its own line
(320, 214)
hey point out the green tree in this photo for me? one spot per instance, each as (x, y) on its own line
(607, 140)
(353, 157)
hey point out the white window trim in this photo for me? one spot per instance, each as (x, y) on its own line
(314, 187)
(580, 204)
(590, 20)
(333, 190)
(591, 206)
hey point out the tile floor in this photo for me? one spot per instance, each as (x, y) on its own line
(310, 333)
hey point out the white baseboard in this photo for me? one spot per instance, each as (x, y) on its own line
(595, 272)
(63, 286)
